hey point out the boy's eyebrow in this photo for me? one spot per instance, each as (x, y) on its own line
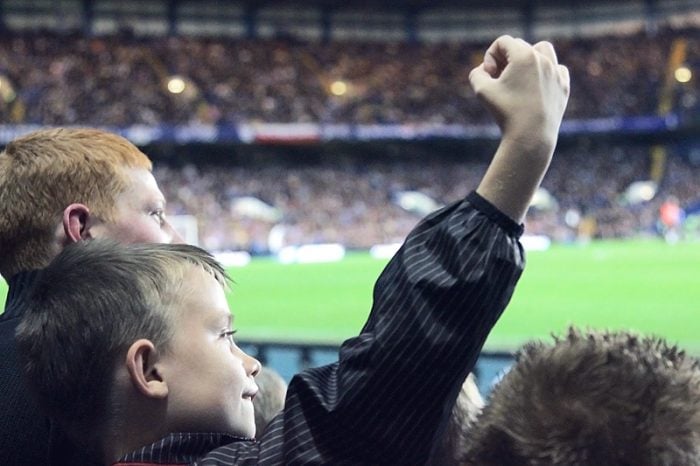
(221, 321)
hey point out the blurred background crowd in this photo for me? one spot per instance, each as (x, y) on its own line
(353, 193)
(593, 190)
(120, 80)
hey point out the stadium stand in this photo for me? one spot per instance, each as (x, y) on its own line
(355, 199)
(122, 80)
(159, 84)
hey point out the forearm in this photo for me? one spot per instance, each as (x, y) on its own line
(516, 171)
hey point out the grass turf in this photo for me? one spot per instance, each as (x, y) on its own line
(647, 286)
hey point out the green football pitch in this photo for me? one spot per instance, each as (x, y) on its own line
(647, 286)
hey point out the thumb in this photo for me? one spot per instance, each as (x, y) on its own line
(491, 65)
(479, 78)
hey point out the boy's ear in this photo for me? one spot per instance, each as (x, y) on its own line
(75, 223)
(141, 359)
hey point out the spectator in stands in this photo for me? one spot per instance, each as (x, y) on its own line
(671, 219)
(611, 398)
(58, 187)
(269, 401)
(382, 402)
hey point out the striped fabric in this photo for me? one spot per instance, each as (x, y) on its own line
(389, 396)
(178, 448)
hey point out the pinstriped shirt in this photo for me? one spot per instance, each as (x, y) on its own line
(389, 396)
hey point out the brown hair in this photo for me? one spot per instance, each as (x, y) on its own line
(601, 398)
(44, 172)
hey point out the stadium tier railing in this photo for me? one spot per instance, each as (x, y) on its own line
(300, 133)
(290, 358)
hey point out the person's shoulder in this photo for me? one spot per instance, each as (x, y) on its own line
(10, 319)
(19, 284)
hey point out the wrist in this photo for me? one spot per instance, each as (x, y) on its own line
(530, 143)
(537, 131)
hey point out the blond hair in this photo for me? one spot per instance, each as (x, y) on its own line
(44, 172)
(87, 307)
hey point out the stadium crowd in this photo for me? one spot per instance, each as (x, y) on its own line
(122, 80)
(119, 81)
(357, 202)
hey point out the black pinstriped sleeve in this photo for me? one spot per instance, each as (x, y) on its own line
(386, 399)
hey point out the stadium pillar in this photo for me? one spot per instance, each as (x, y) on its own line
(172, 17)
(528, 11)
(650, 17)
(325, 25)
(411, 28)
(88, 16)
(251, 28)
(657, 153)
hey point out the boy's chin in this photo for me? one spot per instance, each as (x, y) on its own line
(243, 431)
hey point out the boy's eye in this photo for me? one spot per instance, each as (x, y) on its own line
(159, 215)
(228, 334)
